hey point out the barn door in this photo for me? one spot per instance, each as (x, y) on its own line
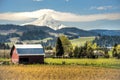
(24, 60)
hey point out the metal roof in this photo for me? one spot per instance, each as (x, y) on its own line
(29, 49)
(28, 46)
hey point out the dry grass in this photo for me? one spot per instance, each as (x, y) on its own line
(4, 53)
(57, 72)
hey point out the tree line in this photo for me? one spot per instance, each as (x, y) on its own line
(4, 46)
(64, 48)
(107, 41)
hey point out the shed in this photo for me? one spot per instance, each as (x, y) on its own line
(27, 53)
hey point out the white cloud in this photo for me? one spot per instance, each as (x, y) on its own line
(60, 16)
(15, 16)
(102, 7)
(37, 0)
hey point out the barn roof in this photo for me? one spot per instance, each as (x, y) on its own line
(29, 49)
(28, 46)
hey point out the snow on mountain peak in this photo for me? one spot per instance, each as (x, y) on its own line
(47, 20)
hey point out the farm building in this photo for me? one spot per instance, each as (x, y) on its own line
(27, 53)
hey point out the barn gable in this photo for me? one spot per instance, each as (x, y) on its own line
(15, 57)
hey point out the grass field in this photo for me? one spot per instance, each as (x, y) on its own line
(109, 63)
(100, 62)
(81, 41)
(57, 72)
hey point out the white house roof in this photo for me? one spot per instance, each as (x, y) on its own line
(28, 46)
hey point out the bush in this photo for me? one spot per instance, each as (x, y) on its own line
(6, 63)
(118, 56)
(106, 56)
(63, 62)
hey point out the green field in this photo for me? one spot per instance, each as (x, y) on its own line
(110, 63)
(101, 62)
(81, 41)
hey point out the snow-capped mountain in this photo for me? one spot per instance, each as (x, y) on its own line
(47, 20)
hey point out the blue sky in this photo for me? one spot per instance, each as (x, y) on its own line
(82, 8)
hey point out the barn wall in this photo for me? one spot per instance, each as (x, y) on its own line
(15, 57)
(34, 59)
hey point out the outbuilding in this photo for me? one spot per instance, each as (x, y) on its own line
(27, 53)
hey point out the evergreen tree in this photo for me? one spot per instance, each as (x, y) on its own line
(114, 52)
(67, 46)
(59, 48)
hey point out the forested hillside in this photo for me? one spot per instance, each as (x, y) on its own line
(107, 41)
(34, 35)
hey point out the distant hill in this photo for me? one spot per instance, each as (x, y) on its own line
(34, 35)
(107, 32)
(75, 32)
(27, 32)
(25, 28)
(32, 32)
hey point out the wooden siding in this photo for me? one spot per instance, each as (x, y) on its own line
(32, 59)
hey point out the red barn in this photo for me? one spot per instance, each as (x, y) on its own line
(27, 53)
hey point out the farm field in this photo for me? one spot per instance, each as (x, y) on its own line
(61, 69)
(81, 41)
(57, 72)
